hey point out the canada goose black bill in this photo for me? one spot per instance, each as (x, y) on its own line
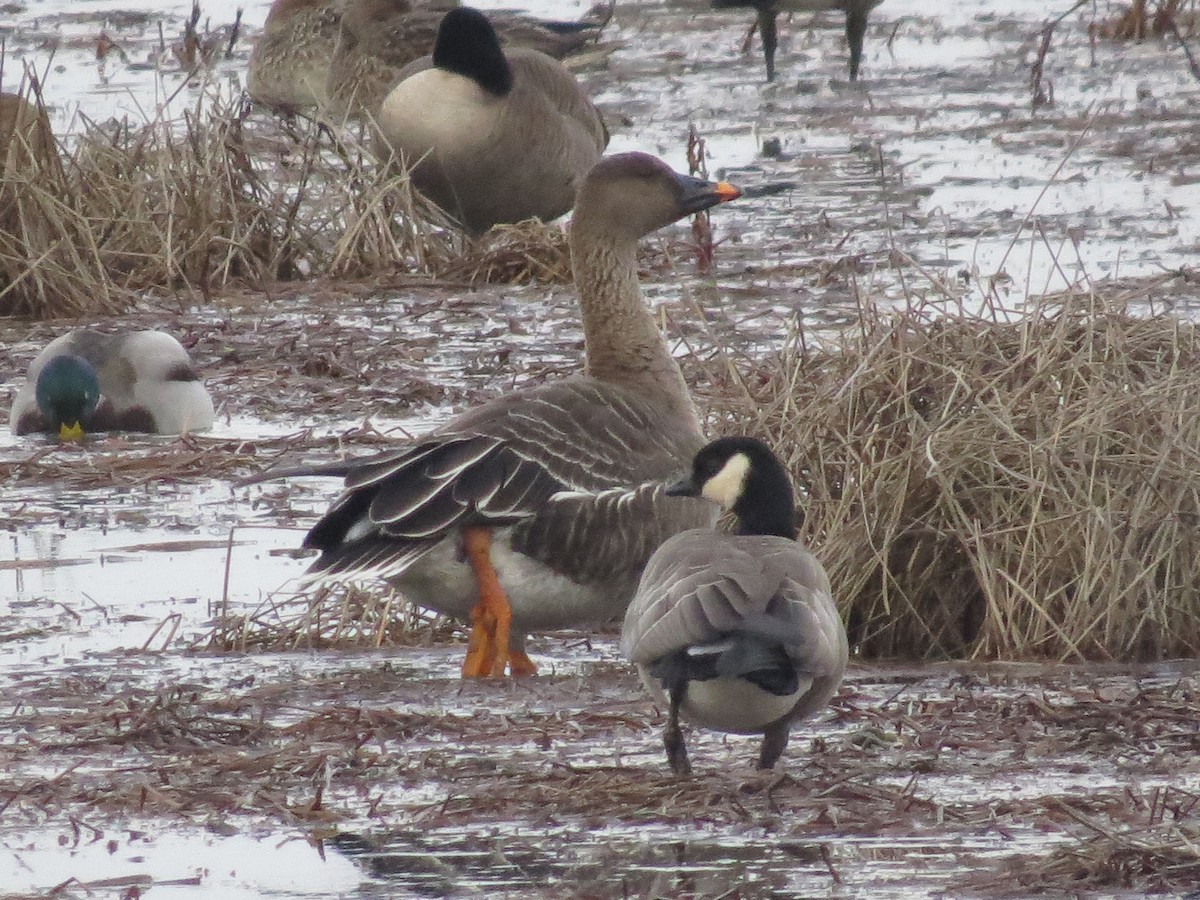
(539, 508)
(736, 632)
(768, 11)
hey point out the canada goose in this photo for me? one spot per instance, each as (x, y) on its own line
(856, 23)
(26, 139)
(553, 493)
(491, 136)
(378, 38)
(737, 632)
(289, 65)
(87, 381)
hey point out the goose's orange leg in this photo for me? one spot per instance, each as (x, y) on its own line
(487, 650)
(520, 664)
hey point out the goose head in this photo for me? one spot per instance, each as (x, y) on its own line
(629, 195)
(744, 477)
(467, 45)
(67, 391)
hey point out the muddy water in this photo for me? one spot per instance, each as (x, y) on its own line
(132, 760)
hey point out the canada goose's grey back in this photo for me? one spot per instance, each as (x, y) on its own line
(702, 586)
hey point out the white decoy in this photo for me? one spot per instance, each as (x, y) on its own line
(86, 381)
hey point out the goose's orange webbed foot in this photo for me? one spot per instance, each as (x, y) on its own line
(487, 649)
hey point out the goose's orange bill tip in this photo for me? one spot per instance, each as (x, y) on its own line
(727, 191)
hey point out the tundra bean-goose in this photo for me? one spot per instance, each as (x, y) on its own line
(289, 66)
(86, 381)
(378, 38)
(491, 136)
(768, 11)
(736, 632)
(538, 509)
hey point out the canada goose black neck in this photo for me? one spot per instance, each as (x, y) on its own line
(467, 45)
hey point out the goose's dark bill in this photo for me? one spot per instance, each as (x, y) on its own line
(697, 195)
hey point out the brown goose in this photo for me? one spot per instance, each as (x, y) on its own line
(378, 38)
(289, 65)
(768, 10)
(491, 136)
(737, 632)
(554, 492)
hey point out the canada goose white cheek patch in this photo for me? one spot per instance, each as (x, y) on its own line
(726, 486)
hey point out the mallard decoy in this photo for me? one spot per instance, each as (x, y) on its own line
(289, 66)
(539, 508)
(490, 135)
(378, 38)
(86, 381)
(768, 11)
(736, 632)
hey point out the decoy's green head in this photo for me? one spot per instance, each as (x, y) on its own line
(743, 476)
(67, 394)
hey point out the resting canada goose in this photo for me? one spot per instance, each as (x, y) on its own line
(553, 494)
(378, 38)
(768, 10)
(87, 381)
(737, 632)
(491, 136)
(289, 65)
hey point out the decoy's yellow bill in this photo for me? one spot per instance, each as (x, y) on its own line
(70, 433)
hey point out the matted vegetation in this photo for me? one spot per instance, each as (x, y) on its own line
(200, 203)
(1005, 486)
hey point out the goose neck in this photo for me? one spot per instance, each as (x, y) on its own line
(623, 343)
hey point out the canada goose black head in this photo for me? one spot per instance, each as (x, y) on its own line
(467, 45)
(68, 391)
(743, 476)
(633, 194)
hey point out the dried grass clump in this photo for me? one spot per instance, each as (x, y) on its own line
(528, 251)
(201, 203)
(48, 252)
(330, 616)
(999, 487)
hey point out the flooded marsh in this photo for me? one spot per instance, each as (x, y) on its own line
(151, 746)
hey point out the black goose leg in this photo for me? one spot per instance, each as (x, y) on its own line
(856, 28)
(769, 33)
(775, 739)
(673, 736)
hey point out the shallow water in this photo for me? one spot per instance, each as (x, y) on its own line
(936, 178)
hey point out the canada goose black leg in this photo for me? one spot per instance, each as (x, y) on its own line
(775, 739)
(769, 33)
(856, 28)
(487, 649)
(673, 736)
